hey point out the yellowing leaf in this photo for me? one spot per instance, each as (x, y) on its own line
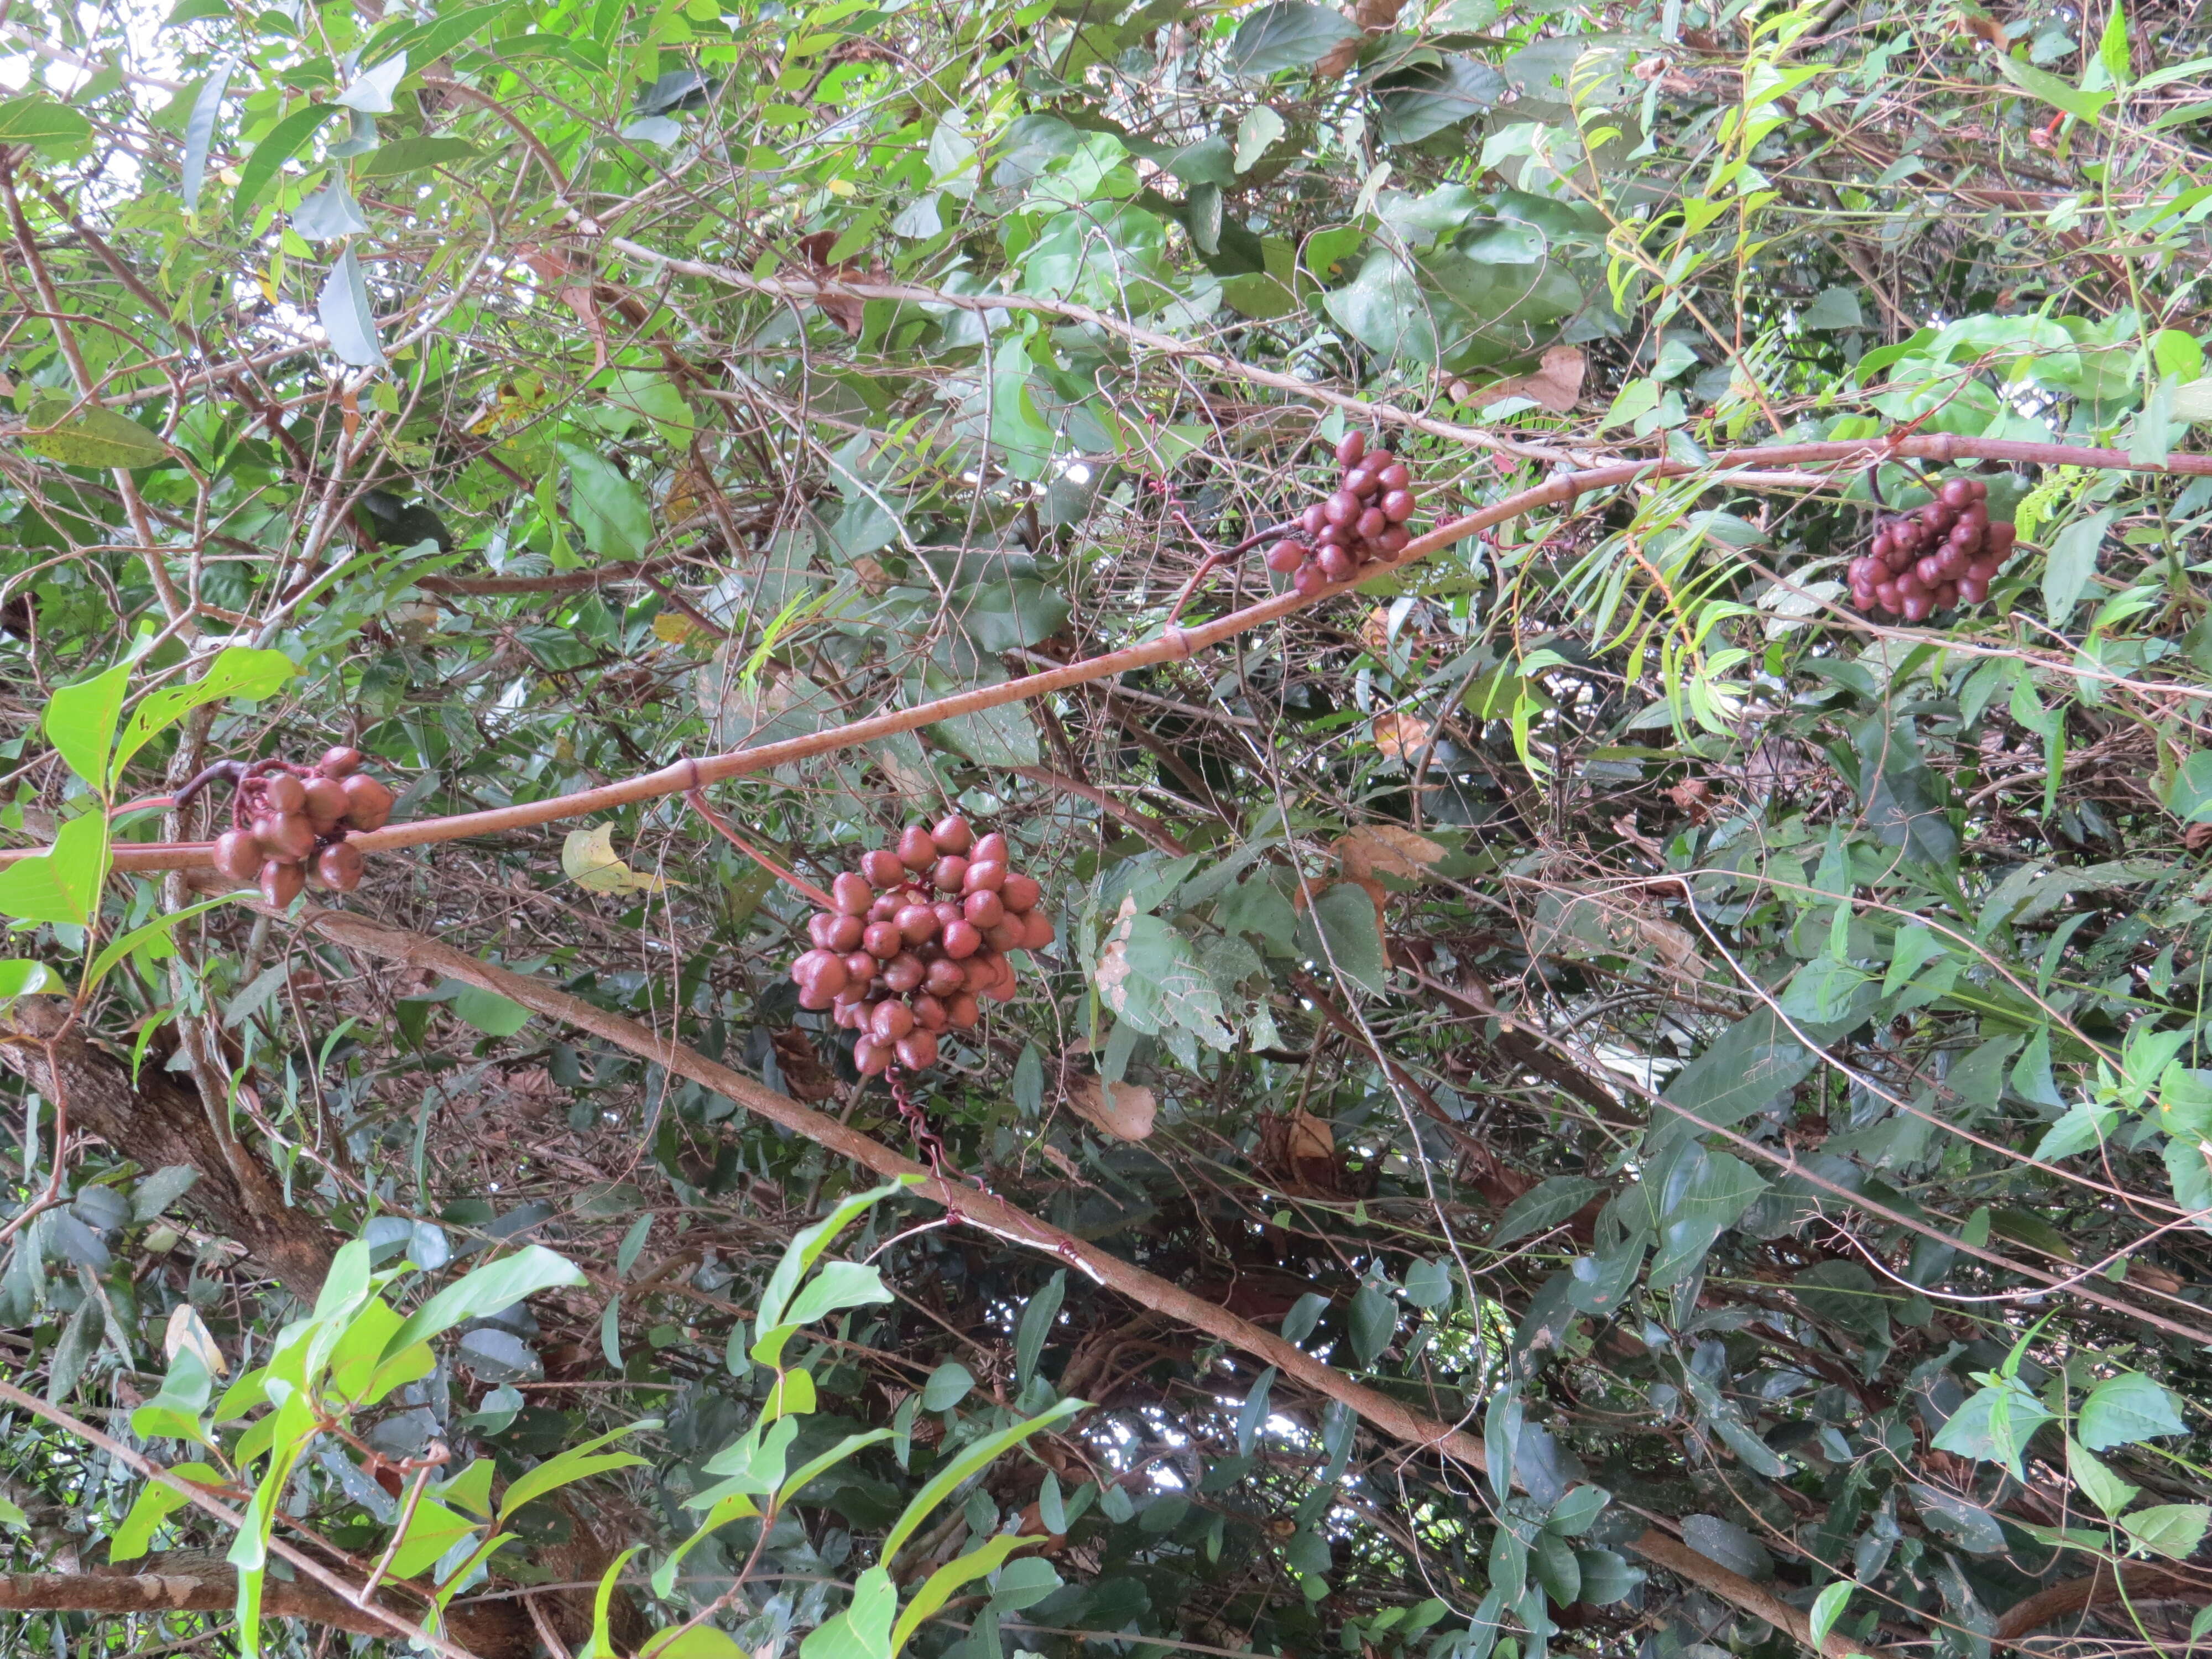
(1386, 849)
(674, 627)
(1124, 1110)
(588, 858)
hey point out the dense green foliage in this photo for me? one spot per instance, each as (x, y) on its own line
(1741, 1060)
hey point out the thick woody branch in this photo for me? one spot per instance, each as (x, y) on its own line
(1003, 1220)
(1174, 645)
(188, 1581)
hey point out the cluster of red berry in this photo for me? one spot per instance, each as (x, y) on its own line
(912, 941)
(1363, 524)
(285, 815)
(1946, 554)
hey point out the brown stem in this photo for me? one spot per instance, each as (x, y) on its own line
(698, 800)
(385, 1621)
(1003, 1220)
(1176, 645)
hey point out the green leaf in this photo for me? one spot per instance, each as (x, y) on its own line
(601, 1643)
(1385, 309)
(370, 91)
(2041, 83)
(2189, 797)
(1038, 1314)
(1543, 1207)
(498, 1284)
(139, 937)
(2105, 1489)
(937, 1589)
(1341, 931)
(1837, 309)
(1429, 1282)
(1372, 1323)
(1993, 1425)
(80, 722)
(1426, 98)
(237, 672)
(2073, 558)
(1828, 1608)
(2169, 1529)
(285, 140)
(2125, 1409)
(346, 315)
(22, 977)
(199, 130)
(61, 884)
(976, 1456)
(488, 1012)
(607, 506)
(38, 120)
(90, 436)
(1252, 1415)
(431, 1531)
(805, 1249)
(948, 1385)
(1288, 34)
(577, 1463)
(154, 1505)
(407, 155)
(863, 1630)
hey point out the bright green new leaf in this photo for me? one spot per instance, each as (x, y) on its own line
(62, 882)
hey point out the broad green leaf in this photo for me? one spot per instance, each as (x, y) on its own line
(601, 1643)
(806, 1247)
(21, 977)
(1341, 931)
(1288, 34)
(837, 1285)
(284, 140)
(863, 1630)
(80, 719)
(39, 121)
(348, 318)
(607, 506)
(155, 1504)
(948, 1385)
(237, 672)
(1542, 1207)
(370, 91)
(2123, 1410)
(61, 884)
(2105, 1489)
(2073, 558)
(2173, 1530)
(486, 1289)
(1828, 1608)
(407, 155)
(91, 436)
(431, 1531)
(488, 1012)
(2041, 83)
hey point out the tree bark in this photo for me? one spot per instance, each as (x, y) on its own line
(159, 1122)
(2097, 1589)
(191, 1582)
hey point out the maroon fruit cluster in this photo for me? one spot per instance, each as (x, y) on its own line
(1946, 554)
(915, 938)
(1362, 524)
(288, 816)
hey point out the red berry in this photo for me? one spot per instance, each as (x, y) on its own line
(984, 909)
(883, 940)
(917, 1050)
(282, 792)
(984, 875)
(890, 1021)
(1341, 508)
(1038, 930)
(237, 855)
(1310, 579)
(1021, 892)
(342, 761)
(871, 1058)
(339, 866)
(903, 973)
(368, 803)
(1336, 565)
(1361, 482)
(961, 938)
(1283, 557)
(943, 977)
(949, 872)
(851, 893)
(282, 883)
(951, 835)
(961, 1011)
(1350, 447)
(991, 849)
(882, 867)
(916, 849)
